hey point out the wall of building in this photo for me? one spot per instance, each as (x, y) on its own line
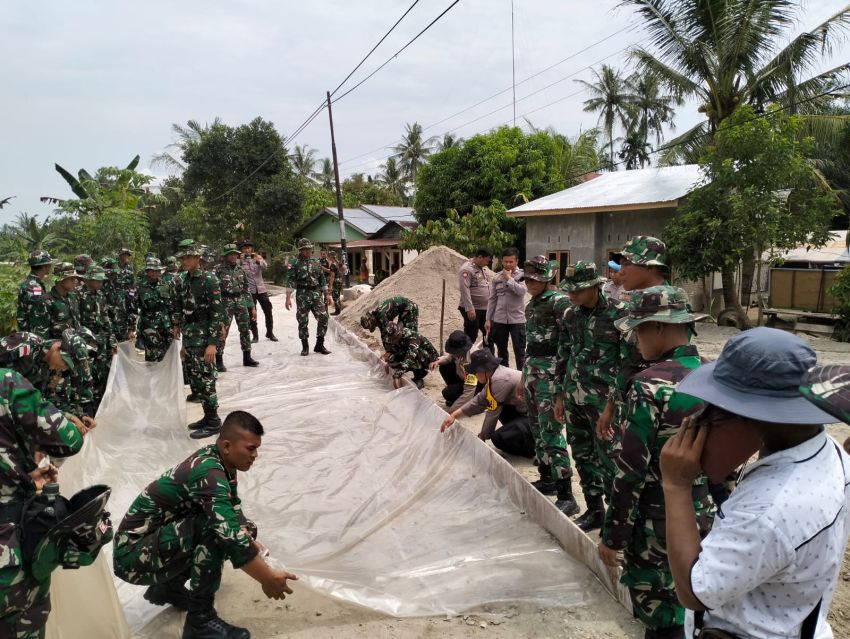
(325, 229)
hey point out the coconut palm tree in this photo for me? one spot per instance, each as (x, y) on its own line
(325, 177)
(725, 54)
(635, 150)
(192, 132)
(650, 107)
(392, 178)
(413, 151)
(304, 162)
(611, 99)
(449, 140)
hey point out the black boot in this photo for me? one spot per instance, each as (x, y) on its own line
(305, 347)
(545, 484)
(219, 363)
(594, 516)
(255, 335)
(171, 592)
(247, 360)
(673, 632)
(320, 346)
(207, 624)
(337, 311)
(566, 502)
(208, 426)
(191, 397)
(270, 336)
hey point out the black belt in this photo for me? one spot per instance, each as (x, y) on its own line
(541, 350)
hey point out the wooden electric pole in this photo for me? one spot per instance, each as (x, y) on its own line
(342, 241)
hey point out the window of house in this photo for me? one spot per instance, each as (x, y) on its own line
(563, 260)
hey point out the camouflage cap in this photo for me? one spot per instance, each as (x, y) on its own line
(304, 243)
(81, 263)
(109, 265)
(170, 261)
(207, 253)
(581, 275)
(153, 264)
(39, 258)
(230, 248)
(644, 250)
(124, 251)
(95, 273)
(64, 270)
(75, 349)
(828, 388)
(665, 304)
(539, 269)
(188, 247)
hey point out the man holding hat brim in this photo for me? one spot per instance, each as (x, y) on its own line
(305, 275)
(543, 315)
(770, 564)
(662, 319)
(94, 315)
(460, 383)
(501, 399)
(238, 304)
(157, 309)
(33, 313)
(126, 282)
(591, 356)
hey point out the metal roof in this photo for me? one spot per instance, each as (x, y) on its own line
(618, 190)
(834, 251)
(391, 213)
(362, 220)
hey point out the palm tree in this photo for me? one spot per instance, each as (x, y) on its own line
(326, 177)
(5, 201)
(611, 99)
(449, 140)
(413, 150)
(32, 236)
(186, 135)
(724, 54)
(635, 150)
(392, 178)
(304, 161)
(650, 109)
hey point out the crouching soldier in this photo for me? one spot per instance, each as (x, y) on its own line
(187, 523)
(409, 351)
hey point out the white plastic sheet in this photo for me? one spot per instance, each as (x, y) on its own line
(355, 489)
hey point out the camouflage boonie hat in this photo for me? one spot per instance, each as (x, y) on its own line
(109, 264)
(124, 251)
(230, 248)
(188, 247)
(153, 264)
(63, 271)
(304, 243)
(171, 263)
(644, 250)
(75, 349)
(81, 263)
(828, 388)
(95, 273)
(665, 304)
(39, 258)
(537, 268)
(581, 275)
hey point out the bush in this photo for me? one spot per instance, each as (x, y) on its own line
(841, 291)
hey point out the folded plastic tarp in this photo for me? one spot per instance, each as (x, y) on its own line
(355, 488)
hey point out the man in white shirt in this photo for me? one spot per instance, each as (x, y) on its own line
(769, 566)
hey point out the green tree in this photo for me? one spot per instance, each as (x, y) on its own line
(304, 162)
(413, 151)
(611, 99)
(650, 109)
(392, 179)
(758, 195)
(326, 177)
(635, 150)
(484, 226)
(170, 159)
(575, 158)
(28, 234)
(362, 189)
(448, 141)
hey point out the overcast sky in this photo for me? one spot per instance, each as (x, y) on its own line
(92, 83)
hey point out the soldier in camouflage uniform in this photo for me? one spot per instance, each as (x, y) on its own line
(635, 520)
(95, 317)
(828, 388)
(238, 304)
(81, 265)
(543, 317)
(398, 309)
(591, 355)
(409, 351)
(64, 302)
(207, 258)
(33, 301)
(157, 307)
(28, 425)
(115, 304)
(125, 282)
(187, 523)
(199, 315)
(171, 269)
(337, 277)
(305, 275)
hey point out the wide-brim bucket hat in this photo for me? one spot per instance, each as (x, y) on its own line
(758, 376)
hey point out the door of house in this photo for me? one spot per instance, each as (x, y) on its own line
(563, 260)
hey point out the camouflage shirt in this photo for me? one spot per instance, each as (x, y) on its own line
(157, 305)
(33, 306)
(116, 306)
(64, 312)
(412, 351)
(200, 310)
(543, 327)
(305, 274)
(27, 425)
(201, 484)
(126, 282)
(655, 412)
(94, 315)
(591, 352)
(398, 309)
(234, 284)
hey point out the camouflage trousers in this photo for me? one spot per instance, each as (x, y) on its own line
(550, 445)
(234, 308)
(24, 601)
(100, 371)
(183, 549)
(337, 294)
(156, 342)
(307, 301)
(593, 457)
(201, 376)
(646, 573)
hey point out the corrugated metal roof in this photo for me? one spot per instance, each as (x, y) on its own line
(618, 190)
(834, 251)
(362, 220)
(391, 213)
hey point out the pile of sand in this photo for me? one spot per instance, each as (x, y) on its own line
(421, 281)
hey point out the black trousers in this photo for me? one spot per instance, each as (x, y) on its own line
(499, 334)
(262, 300)
(454, 384)
(473, 327)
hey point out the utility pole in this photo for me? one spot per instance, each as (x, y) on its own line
(513, 59)
(342, 242)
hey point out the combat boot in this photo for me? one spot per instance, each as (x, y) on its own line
(191, 397)
(171, 592)
(566, 503)
(270, 336)
(208, 426)
(219, 363)
(255, 335)
(305, 347)
(594, 516)
(320, 346)
(208, 625)
(337, 310)
(545, 484)
(247, 360)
